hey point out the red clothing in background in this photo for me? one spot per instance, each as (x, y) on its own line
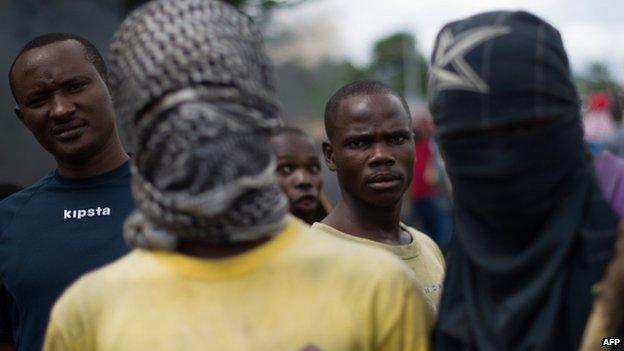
(422, 185)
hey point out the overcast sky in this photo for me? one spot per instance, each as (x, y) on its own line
(592, 30)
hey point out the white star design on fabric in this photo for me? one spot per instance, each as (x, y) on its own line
(451, 50)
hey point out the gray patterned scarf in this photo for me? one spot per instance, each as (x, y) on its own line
(193, 89)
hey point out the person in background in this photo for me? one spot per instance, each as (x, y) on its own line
(371, 148)
(606, 320)
(615, 144)
(610, 176)
(218, 263)
(598, 122)
(425, 182)
(298, 170)
(533, 233)
(609, 164)
(70, 221)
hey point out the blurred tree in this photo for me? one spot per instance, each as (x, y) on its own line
(397, 61)
(303, 91)
(597, 78)
(350, 72)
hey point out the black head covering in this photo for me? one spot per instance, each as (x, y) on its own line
(533, 231)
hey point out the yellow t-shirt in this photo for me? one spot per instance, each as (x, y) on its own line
(422, 255)
(302, 290)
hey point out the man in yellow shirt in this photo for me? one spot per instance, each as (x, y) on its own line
(299, 289)
(218, 264)
(371, 148)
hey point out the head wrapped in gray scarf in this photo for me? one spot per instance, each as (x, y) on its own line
(194, 93)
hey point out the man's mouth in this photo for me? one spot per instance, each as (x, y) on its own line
(306, 202)
(384, 181)
(69, 130)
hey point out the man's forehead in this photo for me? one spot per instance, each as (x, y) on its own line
(366, 112)
(45, 59)
(291, 143)
(376, 106)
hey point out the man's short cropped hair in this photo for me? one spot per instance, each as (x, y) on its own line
(359, 87)
(91, 52)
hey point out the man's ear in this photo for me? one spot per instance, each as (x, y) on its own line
(328, 153)
(18, 113)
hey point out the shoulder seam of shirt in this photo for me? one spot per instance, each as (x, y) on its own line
(44, 182)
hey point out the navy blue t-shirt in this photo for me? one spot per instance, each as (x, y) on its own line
(51, 233)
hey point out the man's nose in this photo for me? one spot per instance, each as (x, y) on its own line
(381, 156)
(302, 179)
(61, 107)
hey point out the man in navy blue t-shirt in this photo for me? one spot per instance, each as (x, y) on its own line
(70, 221)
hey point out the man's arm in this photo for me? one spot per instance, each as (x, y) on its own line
(607, 313)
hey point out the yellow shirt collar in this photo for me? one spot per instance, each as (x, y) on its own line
(246, 262)
(405, 252)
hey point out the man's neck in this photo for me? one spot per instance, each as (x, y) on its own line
(381, 224)
(109, 157)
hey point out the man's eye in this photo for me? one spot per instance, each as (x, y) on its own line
(356, 144)
(314, 169)
(36, 102)
(398, 139)
(284, 170)
(75, 87)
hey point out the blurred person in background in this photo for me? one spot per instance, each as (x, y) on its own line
(426, 182)
(607, 317)
(533, 232)
(615, 144)
(370, 146)
(609, 163)
(610, 176)
(598, 122)
(606, 320)
(299, 173)
(70, 221)
(218, 263)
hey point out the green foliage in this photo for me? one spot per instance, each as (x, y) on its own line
(597, 78)
(349, 72)
(303, 92)
(397, 62)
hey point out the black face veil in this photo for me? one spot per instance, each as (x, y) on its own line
(532, 230)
